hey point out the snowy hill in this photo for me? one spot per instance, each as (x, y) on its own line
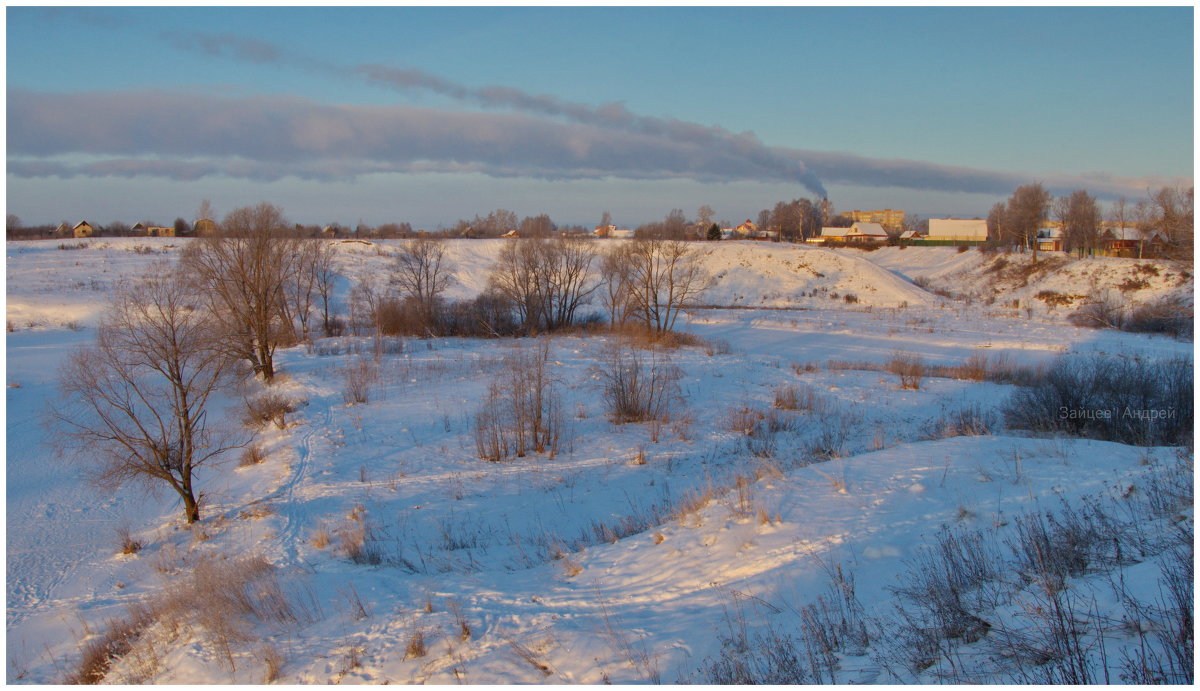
(1055, 284)
(788, 505)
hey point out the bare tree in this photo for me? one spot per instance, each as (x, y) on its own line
(764, 219)
(301, 286)
(614, 277)
(539, 226)
(1175, 218)
(12, 224)
(1027, 209)
(422, 273)
(137, 400)
(1060, 210)
(675, 225)
(663, 277)
(1144, 220)
(326, 274)
(242, 273)
(1082, 223)
(546, 280)
(567, 265)
(997, 224)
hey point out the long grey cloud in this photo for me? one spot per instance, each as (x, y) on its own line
(271, 138)
(805, 166)
(185, 136)
(188, 137)
(611, 116)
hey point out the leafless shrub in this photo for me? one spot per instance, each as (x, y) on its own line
(356, 538)
(1172, 315)
(528, 656)
(416, 646)
(798, 397)
(252, 455)
(256, 510)
(829, 442)
(948, 587)
(321, 538)
(636, 391)
(693, 501)
(634, 652)
(1048, 550)
(1055, 644)
(1143, 402)
(358, 609)
(971, 420)
(522, 411)
(464, 628)
(744, 420)
(359, 377)
(126, 543)
(98, 653)
(833, 625)
(717, 346)
(395, 317)
(909, 368)
(1165, 653)
(273, 662)
(1100, 311)
(269, 408)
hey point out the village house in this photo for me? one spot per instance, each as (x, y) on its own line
(611, 231)
(1129, 242)
(204, 226)
(83, 229)
(1050, 240)
(866, 232)
(829, 235)
(152, 231)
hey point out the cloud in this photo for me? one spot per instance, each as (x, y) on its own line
(609, 116)
(743, 155)
(917, 175)
(185, 136)
(189, 136)
(225, 45)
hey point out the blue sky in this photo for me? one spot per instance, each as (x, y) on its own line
(385, 114)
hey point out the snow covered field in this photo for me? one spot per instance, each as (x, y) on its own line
(637, 552)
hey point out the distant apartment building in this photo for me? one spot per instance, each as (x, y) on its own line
(890, 219)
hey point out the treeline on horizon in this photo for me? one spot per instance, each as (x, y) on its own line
(1011, 223)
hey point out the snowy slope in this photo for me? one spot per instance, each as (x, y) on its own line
(1004, 277)
(619, 558)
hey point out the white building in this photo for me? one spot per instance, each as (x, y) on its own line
(833, 235)
(957, 230)
(866, 232)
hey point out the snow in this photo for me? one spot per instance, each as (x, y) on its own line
(523, 551)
